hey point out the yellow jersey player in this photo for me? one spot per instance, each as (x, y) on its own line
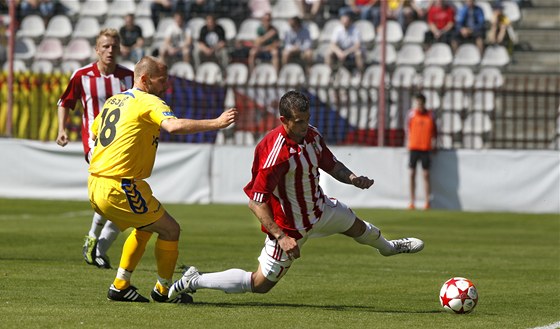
(127, 132)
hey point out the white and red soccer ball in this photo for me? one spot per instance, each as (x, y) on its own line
(458, 295)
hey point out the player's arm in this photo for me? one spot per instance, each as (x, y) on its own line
(264, 214)
(344, 175)
(190, 126)
(62, 138)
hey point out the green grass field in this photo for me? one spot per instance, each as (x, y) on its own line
(513, 259)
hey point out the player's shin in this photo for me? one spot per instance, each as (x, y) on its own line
(372, 237)
(233, 281)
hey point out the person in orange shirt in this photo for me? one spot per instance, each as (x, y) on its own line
(422, 133)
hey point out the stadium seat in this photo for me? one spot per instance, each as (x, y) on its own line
(403, 76)
(450, 123)
(439, 54)
(410, 54)
(182, 70)
(237, 74)
(69, 66)
(42, 66)
(415, 32)
(49, 49)
(432, 77)
(32, 26)
(161, 28)
(78, 49)
(291, 75)
(19, 66)
(209, 73)
(72, 8)
(473, 141)
(344, 79)
(489, 77)
(496, 55)
(367, 32)
(320, 51)
(282, 26)
(484, 100)
(467, 55)
(195, 24)
(455, 100)
(314, 31)
(263, 74)
(445, 141)
(285, 9)
(328, 29)
(460, 77)
(477, 123)
(374, 56)
(229, 27)
(59, 27)
(319, 75)
(148, 29)
(372, 76)
(486, 9)
(86, 27)
(394, 33)
(115, 22)
(143, 9)
(94, 8)
(24, 49)
(248, 29)
(511, 10)
(121, 8)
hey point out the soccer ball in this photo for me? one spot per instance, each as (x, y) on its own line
(458, 295)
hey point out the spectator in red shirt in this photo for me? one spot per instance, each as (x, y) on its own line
(441, 22)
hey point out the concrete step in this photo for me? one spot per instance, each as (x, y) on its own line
(544, 3)
(540, 39)
(541, 17)
(535, 62)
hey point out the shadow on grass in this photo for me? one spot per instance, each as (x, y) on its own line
(313, 306)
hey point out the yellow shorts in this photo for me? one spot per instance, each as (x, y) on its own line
(125, 202)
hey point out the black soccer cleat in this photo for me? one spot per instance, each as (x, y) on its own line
(126, 295)
(183, 298)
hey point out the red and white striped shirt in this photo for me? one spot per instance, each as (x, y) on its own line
(285, 175)
(92, 88)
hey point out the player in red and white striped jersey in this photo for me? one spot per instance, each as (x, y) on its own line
(286, 197)
(92, 85)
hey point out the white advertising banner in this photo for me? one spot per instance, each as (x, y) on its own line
(471, 180)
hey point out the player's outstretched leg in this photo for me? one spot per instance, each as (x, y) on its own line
(182, 285)
(372, 237)
(404, 245)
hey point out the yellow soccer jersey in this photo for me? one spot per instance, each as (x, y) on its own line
(127, 133)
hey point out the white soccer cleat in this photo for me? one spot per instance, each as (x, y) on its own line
(404, 245)
(183, 284)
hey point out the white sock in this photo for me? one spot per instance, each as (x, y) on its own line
(234, 281)
(97, 223)
(107, 237)
(372, 237)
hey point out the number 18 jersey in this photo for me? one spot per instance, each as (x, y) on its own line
(127, 130)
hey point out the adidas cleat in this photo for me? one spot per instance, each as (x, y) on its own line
(88, 250)
(183, 284)
(102, 262)
(404, 245)
(126, 295)
(183, 298)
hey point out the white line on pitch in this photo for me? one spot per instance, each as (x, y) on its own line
(555, 325)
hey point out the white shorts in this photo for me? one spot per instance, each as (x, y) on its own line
(336, 218)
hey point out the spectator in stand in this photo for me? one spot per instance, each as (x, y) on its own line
(259, 8)
(422, 133)
(311, 9)
(297, 43)
(346, 45)
(212, 43)
(499, 25)
(199, 8)
(165, 7)
(132, 42)
(441, 23)
(177, 44)
(411, 10)
(364, 9)
(470, 26)
(43, 8)
(267, 45)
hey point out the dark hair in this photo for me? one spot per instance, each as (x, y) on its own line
(421, 97)
(293, 101)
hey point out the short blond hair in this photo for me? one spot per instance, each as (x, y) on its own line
(108, 32)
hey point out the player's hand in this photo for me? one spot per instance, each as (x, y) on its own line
(62, 139)
(227, 117)
(290, 247)
(362, 182)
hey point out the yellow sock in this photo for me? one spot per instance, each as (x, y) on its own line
(166, 257)
(133, 249)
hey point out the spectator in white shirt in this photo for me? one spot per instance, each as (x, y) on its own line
(346, 45)
(297, 43)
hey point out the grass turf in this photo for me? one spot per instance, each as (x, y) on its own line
(513, 259)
